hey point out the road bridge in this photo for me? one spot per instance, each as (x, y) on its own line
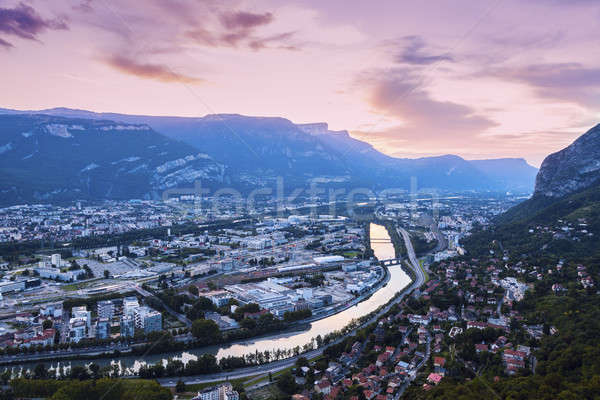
(391, 261)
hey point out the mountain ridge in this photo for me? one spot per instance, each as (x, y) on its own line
(255, 152)
(571, 169)
(140, 164)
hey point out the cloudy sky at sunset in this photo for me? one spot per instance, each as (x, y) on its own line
(486, 78)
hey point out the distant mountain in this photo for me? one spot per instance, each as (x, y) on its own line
(49, 158)
(510, 173)
(255, 151)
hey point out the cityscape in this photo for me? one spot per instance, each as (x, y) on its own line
(299, 200)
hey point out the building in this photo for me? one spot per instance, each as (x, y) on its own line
(81, 313)
(55, 259)
(147, 319)
(219, 299)
(56, 274)
(223, 322)
(153, 322)
(130, 304)
(226, 392)
(219, 392)
(45, 338)
(103, 328)
(209, 393)
(305, 293)
(11, 286)
(127, 326)
(77, 330)
(54, 310)
(106, 309)
(328, 260)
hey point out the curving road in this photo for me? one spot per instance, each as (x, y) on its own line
(412, 258)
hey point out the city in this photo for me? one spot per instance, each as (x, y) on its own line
(299, 200)
(271, 274)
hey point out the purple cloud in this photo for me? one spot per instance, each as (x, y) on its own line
(414, 53)
(558, 81)
(245, 20)
(84, 6)
(5, 44)
(24, 22)
(262, 43)
(238, 29)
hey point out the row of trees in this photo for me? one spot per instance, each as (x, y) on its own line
(104, 388)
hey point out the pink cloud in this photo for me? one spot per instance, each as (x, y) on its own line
(148, 71)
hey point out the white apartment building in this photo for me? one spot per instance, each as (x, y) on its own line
(130, 304)
(106, 309)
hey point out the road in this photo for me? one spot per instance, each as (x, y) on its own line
(409, 248)
(288, 362)
(182, 318)
(442, 242)
(53, 355)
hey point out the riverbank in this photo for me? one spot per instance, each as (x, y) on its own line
(108, 352)
(397, 280)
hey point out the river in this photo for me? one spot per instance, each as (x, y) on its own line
(397, 281)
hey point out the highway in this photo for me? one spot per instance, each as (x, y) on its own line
(412, 258)
(442, 242)
(56, 354)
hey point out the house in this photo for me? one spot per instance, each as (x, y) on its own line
(479, 347)
(434, 378)
(382, 359)
(439, 362)
(476, 325)
(323, 386)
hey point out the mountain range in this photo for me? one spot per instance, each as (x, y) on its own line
(65, 154)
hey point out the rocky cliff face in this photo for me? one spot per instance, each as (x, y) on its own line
(47, 158)
(572, 169)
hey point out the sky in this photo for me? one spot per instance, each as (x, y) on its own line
(480, 79)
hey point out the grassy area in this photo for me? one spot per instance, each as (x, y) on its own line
(424, 271)
(199, 386)
(266, 392)
(74, 286)
(262, 378)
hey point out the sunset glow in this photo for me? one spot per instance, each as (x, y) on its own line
(478, 79)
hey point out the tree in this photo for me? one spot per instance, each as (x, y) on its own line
(286, 383)
(180, 386)
(40, 371)
(301, 362)
(47, 324)
(79, 372)
(5, 377)
(106, 274)
(95, 369)
(206, 330)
